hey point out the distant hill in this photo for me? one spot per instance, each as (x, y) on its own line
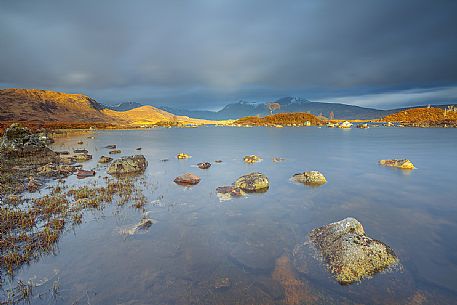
(287, 104)
(124, 106)
(63, 109)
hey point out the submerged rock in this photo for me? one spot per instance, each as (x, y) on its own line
(138, 148)
(104, 159)
(183, 156)
(187, 179)
(115, 151)
(144, 224)
(310, 178)
(403, 163)
(253, 182)
(80, 143)
(350, 254)
(18, 141)
(112, 146)
(218, 161)
(128, 165)
(252, 159)
(204, 165)
(225, 193)
(222, 282)
(278, 159)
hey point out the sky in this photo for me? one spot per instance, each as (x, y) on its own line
(205, 54)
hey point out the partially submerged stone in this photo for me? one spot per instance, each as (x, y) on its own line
(204, 165)
(80, 143)
(85, 173)
(105, 159)
(183, 156)
(252, 159)
(82, 157)
(80, 151)
(350, 255)
(115, 151)
(310, 178)
(399, 163)
(225, 193)
(128, 165)
(187, 179)
(253, 182)
(111, 146)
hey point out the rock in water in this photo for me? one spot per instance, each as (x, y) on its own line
(252, 159)
(18, 141)
(310, 178)
(204, 165)
(144, 224)
(403, 163)
(112, 146)
(183, 156)
(84, 173)
(225, 193)
(115, 151)
(82, 157)
(128, 165)
(104, 159)
(187, 179)
(253, 182)
(350, 254)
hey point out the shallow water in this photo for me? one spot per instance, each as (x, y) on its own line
(197, 240)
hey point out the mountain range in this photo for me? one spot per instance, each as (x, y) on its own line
(287, 104)
(31, 105)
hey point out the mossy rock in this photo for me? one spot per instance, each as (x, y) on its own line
(253, 182)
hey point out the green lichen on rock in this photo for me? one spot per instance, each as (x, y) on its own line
(398, 163)
(350, 254)
(310, 178)
(128, 165)
(253, 182)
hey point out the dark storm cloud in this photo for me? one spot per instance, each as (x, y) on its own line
(206, 53)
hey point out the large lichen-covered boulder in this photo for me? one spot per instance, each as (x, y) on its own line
(253, 182)
(128, 165)
(18, 141)
(310, 178)
(350, 254)
(398, 163)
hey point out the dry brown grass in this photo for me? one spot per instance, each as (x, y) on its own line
(297, 118)
(422, 115)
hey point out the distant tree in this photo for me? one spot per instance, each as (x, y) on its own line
(331, 115)
(273, 106)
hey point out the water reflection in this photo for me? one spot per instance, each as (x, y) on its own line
(196, 241)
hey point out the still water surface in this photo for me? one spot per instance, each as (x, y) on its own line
(198, 240)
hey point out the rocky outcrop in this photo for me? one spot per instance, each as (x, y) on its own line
(187, 179)
(310, 178)
(398, 163)
(253, 182)
(18, 141)
(350, 254)
(204, 165)
(252, 159)
(128, 165)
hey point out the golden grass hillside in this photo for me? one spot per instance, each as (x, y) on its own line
(297, 118)
(423, 115)
(44, 108)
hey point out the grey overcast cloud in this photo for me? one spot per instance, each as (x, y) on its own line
(205, 54)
